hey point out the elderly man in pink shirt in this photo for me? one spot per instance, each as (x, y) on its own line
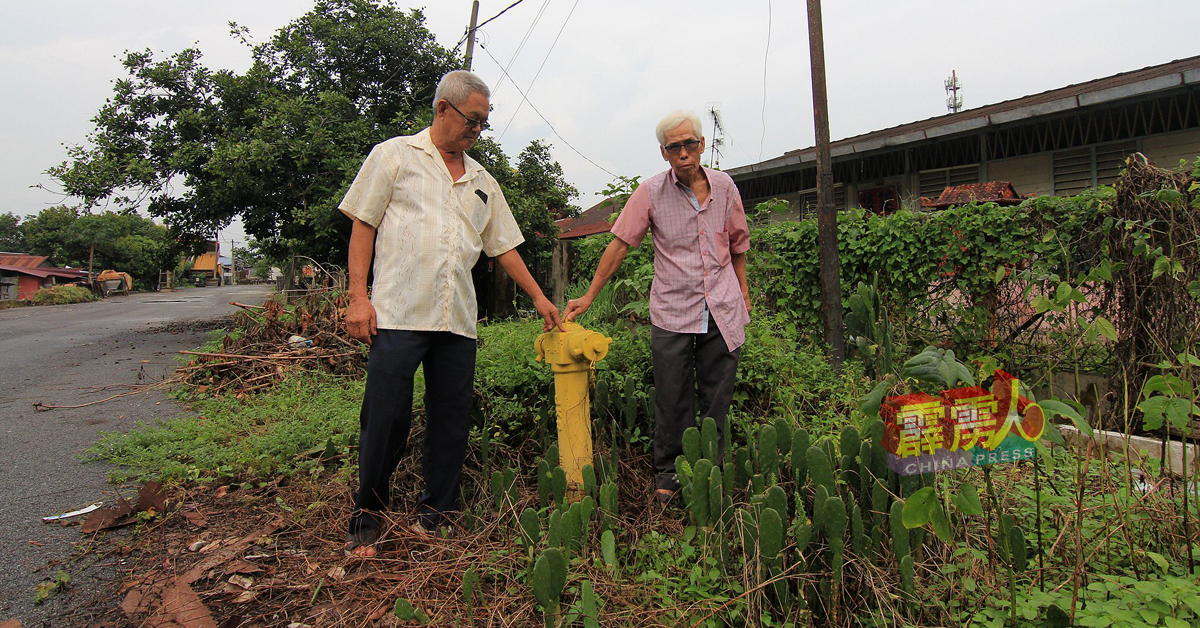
(699, 301)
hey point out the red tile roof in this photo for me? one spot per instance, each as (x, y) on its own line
(1000, 192)
(592, 221)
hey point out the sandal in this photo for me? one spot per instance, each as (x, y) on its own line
(363, 537)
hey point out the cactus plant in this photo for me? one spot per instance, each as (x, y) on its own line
(835, 529)
(858, 535)
(783, 436)
(543, 483)
(470, 584)
(777, 499)
(820, 469)
(608, 550)
(698, 495)
(630, 410)
(554, 529)
(758, 484)
(591, 612)
(558, 486)
(608, 502)
(497, 485)
(589, 480)
(549, 578)
(900, 537)
(552, 455)
(820, 496)
(742, 467)
(600, 399)
(710, 445)
(572, 523)
(691, 445)
(531, 529)
(770, 535)
(800, 447)
(716, 495)
(802, 528)
(768, 452)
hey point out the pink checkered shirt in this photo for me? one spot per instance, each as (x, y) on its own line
(691, 252)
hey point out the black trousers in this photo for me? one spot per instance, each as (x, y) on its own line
(386, 417)
(681, 362)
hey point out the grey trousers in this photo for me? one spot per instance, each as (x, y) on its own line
(683, 363)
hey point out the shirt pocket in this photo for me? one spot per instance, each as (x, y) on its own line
(721, 247)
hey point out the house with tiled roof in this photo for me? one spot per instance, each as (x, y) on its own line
(1058, 142)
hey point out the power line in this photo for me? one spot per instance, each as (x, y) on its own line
(479, 26)
(535, 109)
(539, 72)
(766, 52)
(520, 47)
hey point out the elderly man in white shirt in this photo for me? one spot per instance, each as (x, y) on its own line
(424, 210)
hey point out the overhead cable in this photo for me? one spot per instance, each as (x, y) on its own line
(552, 129)
(539, 72)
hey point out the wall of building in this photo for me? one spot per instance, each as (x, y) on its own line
(1031, 173)
(1166, 150)
(27, 285)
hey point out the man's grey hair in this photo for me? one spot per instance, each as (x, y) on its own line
(457, 86)
(674, 119)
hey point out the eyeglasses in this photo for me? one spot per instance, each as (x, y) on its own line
(690, 145)
(471, 122)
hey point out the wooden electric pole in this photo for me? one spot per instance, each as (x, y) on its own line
(827, 243)
(471, 35)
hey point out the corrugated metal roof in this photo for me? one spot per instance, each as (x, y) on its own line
(43, 272)
(592, 221)
(1144, 81)
(22, 259)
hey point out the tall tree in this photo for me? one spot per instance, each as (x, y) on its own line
(12, 238)
(277, 145)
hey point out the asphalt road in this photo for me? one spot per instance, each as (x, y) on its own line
(60, 355)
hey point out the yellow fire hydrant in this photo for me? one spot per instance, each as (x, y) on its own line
(572, 354)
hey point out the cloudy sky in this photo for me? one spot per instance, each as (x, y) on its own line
(616, 68)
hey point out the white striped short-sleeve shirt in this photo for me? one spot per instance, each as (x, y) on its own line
(430, 230)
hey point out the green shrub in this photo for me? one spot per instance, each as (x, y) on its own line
(62, 295)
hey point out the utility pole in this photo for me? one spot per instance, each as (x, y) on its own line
(827, 243)
(471, 35)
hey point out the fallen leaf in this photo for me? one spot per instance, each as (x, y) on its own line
(195, 518)
(221, 491)
(241, 581)
(152, 497)
(337, 572)
(241, 566)
(108, 518)
(10, 623)
(197, 545)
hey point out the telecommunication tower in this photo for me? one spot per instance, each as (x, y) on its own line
(953, 99)
(718, 139)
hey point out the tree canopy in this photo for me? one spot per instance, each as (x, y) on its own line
(279, 144)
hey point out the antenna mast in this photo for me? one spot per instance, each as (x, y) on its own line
(954, 99)
(718, 140)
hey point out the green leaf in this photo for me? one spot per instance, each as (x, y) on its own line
(1168, 195)
(1161, 265)
(941, 524)
(1000, 273)
(1053, 407)
(967, 500)
(1160, 560)
(1050, 235)
(917, 508)
(1105, 328)
(1188, 357)
(1171, 622)
(874, 399)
